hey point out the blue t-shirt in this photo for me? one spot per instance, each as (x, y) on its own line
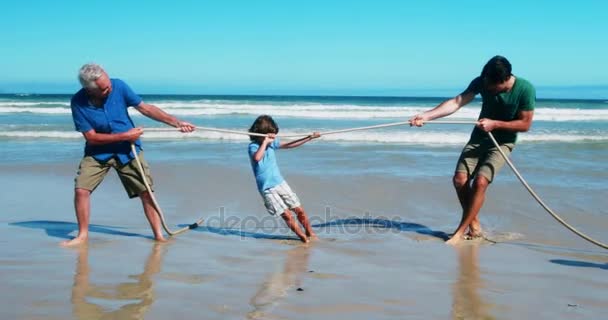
(266, 171)
(111, 118)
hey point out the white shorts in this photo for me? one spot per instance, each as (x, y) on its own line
(280, 198)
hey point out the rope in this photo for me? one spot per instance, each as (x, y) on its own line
(246, 133)
(540, 201)
(394, 124)
(156, 206)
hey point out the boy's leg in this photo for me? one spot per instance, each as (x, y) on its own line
(291, 200)
(291, 223)
(301, 214)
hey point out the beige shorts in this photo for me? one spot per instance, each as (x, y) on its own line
(280, 198)
(482, 159)
(91, 172)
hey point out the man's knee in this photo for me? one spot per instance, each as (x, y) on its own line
(460, 180)
(82, 193)
(481, 183)
(145, 196)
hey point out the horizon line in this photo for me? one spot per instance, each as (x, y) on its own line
(291, 95)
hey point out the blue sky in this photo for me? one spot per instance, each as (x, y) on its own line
(303, 47)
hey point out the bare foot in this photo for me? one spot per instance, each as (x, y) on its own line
(160, 239)
(312, 236)
(475, 231)
(454, 240)
(74, 242)
(473, 236)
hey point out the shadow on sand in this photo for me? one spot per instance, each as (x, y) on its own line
(241, 233)
(385, 224)
(62, 229)
(580, 264)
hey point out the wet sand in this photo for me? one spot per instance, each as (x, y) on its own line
(381, 253)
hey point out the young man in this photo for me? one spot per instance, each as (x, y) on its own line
(507, 108)
(99, 111)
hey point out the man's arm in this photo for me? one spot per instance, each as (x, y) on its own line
(94, 138)
(299, 142)
(445, 108)
(521, 123)
(153, 112)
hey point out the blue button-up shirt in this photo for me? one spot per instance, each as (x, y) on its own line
(112, 117)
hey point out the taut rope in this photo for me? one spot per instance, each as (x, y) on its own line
(386, 125)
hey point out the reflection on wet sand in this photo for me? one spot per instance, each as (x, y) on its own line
(280, 283)
(138, 295)
(468, 304)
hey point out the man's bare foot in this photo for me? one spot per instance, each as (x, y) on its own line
(74, 242)
(474, 231)
(472, 236)
(160, 239)
(454, 240)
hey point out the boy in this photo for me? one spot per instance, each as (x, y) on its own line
(278, 196)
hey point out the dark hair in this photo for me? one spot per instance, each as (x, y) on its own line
(263, 124)
(497, 70)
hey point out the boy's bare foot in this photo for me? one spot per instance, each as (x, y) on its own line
(74, 242)
(312, 236)
(454, 240)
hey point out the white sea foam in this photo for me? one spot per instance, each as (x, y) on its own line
(310, 111)
(33, 104)
(47, 110)
(398, 137)
(41, 134)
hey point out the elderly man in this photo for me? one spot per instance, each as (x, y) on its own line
(99, 111)
(507, 108)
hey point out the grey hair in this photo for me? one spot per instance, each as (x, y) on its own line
(88, 74)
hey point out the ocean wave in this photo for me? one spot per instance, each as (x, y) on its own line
(322, 111)
(399, 137)
(39, 104)
(41, 134)
(47, 110)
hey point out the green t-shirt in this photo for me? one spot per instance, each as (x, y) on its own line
(503, 106)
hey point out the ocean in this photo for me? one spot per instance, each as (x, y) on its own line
(569, 137)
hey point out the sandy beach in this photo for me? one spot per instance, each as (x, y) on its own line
(381, 253)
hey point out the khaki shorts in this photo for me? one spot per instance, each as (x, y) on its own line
(280, 198)
(482, 159)
(91, 172)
